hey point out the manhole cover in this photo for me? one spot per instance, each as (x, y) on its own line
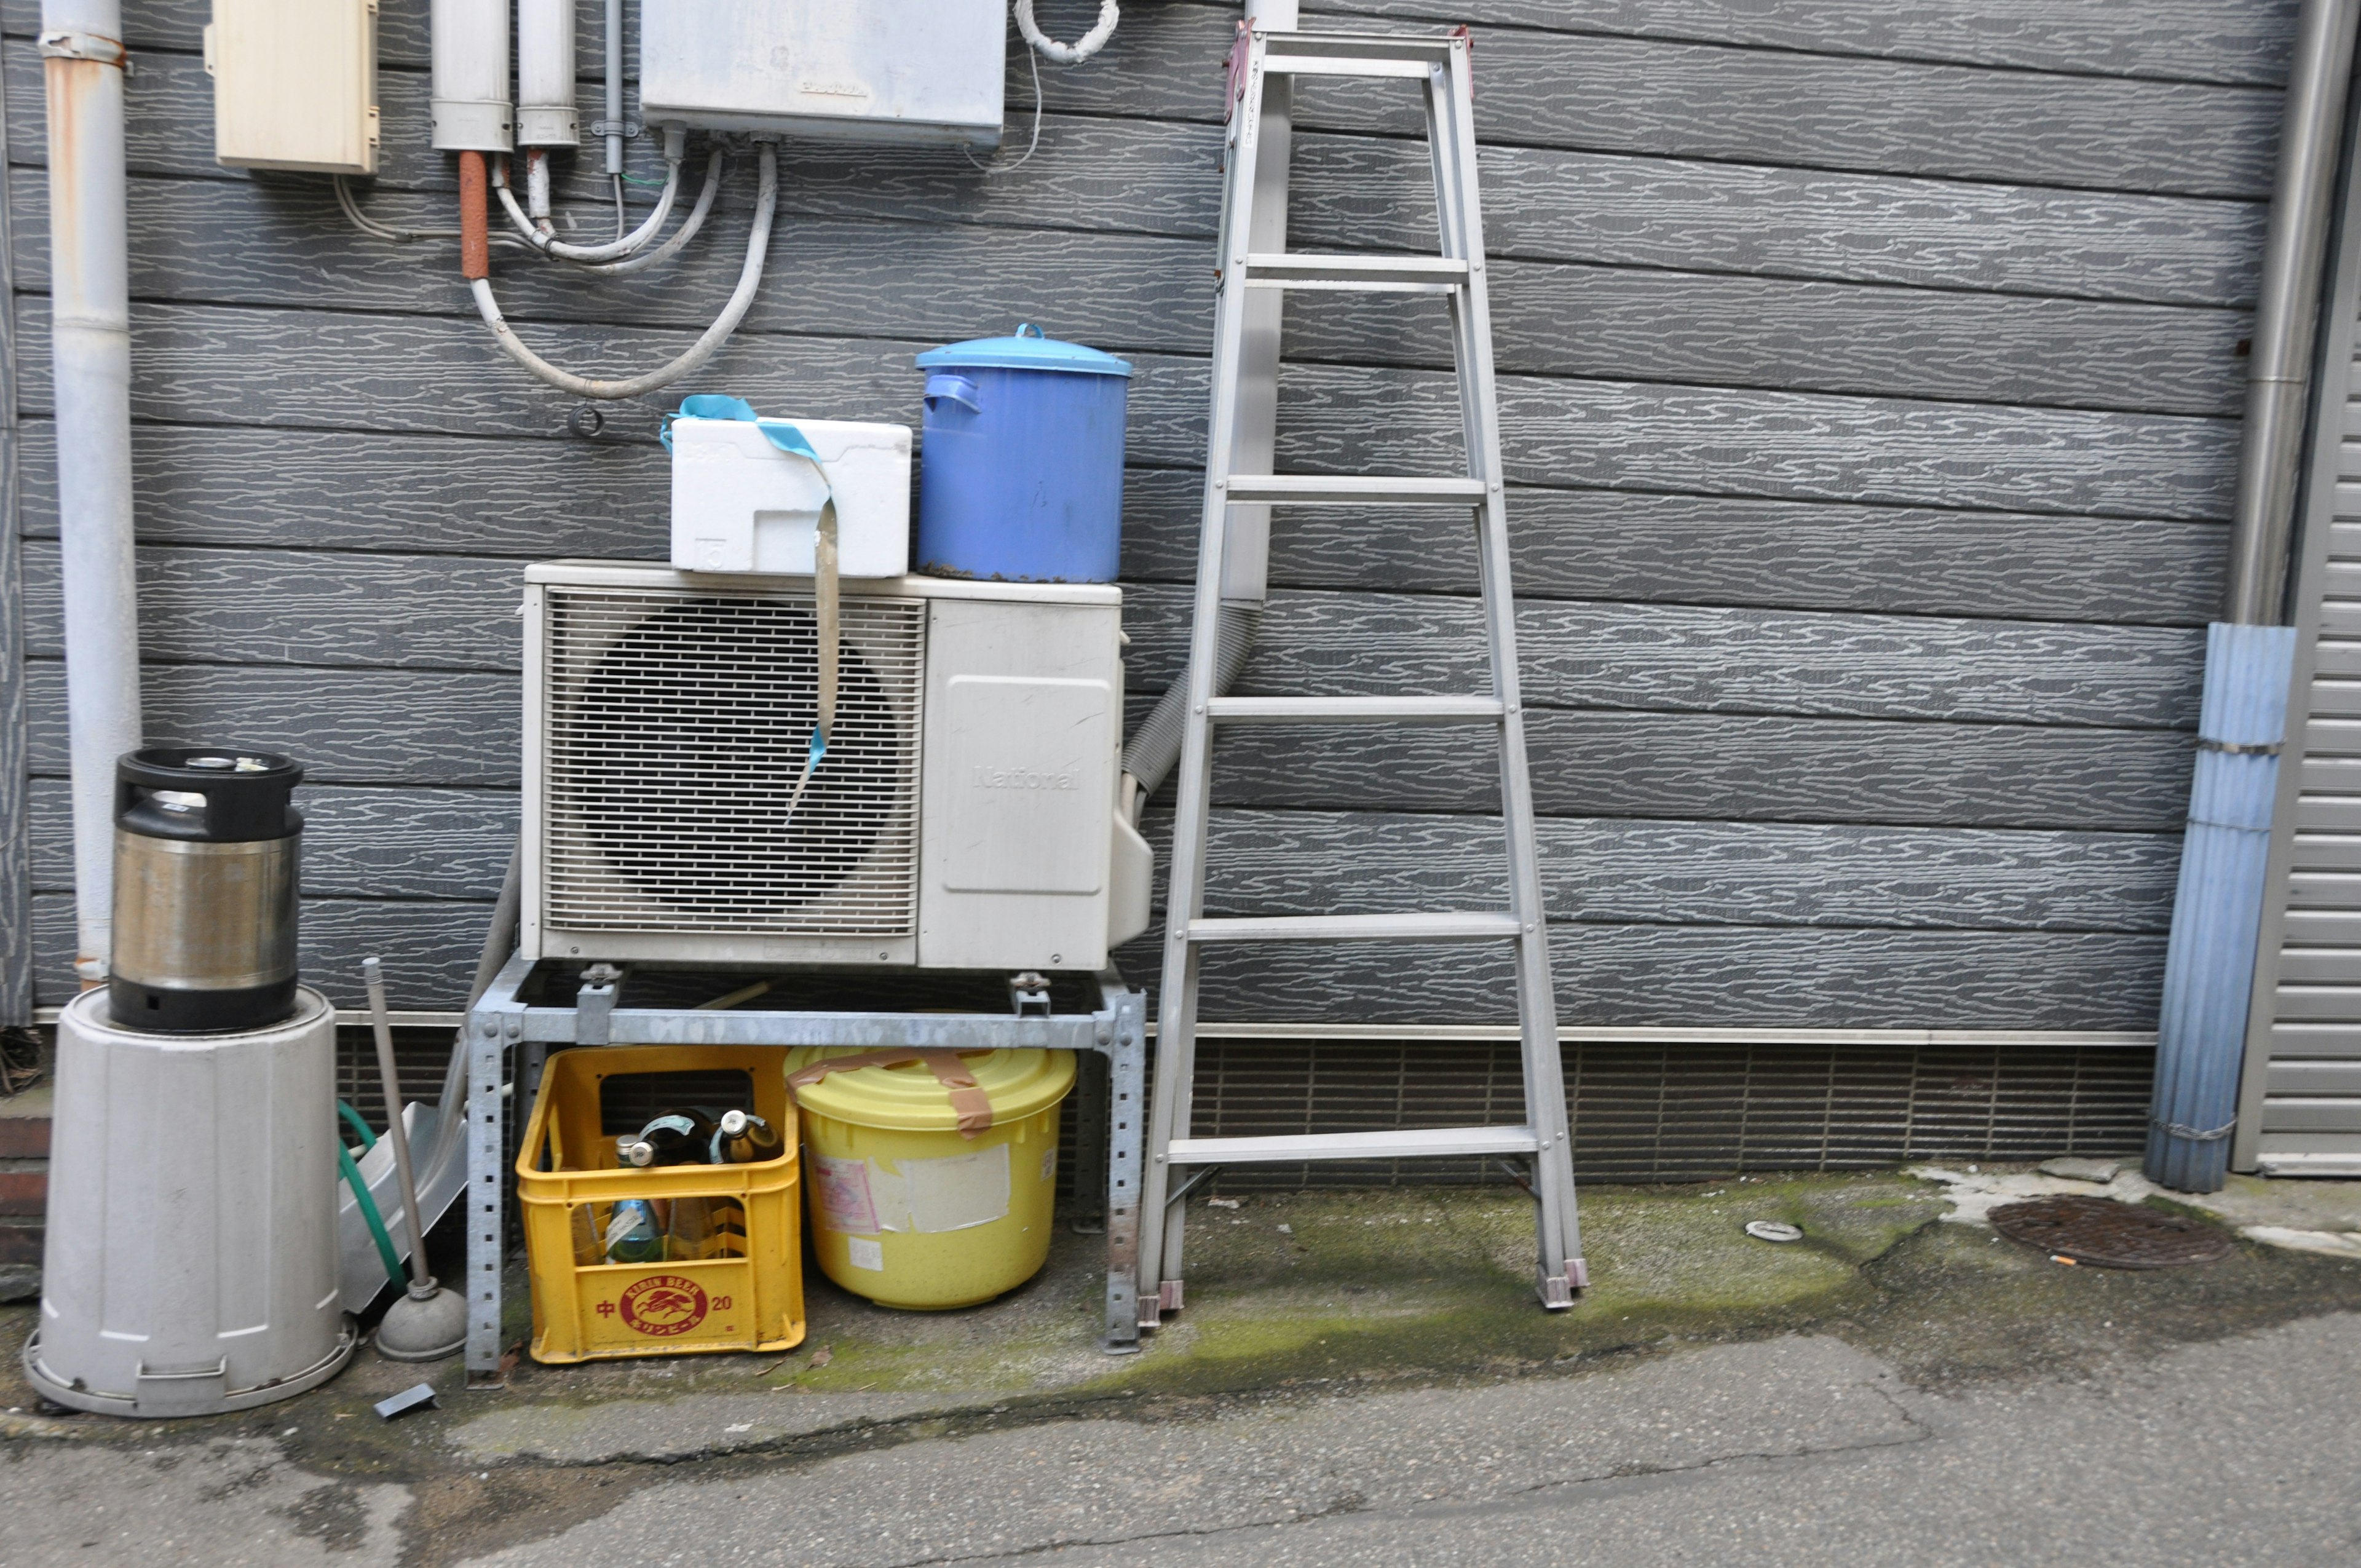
(2110, 1234)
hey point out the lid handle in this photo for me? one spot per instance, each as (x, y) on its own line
(1026, 329)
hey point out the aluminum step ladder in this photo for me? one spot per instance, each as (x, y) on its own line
(1267, 61)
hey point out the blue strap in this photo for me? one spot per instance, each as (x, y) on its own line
(781, 433)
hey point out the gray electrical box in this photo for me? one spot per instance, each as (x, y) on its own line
(840, 69)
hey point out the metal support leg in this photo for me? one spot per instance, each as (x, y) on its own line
(493, 1028)
(1127, 1124)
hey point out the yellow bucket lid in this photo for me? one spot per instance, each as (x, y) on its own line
(909, 1097)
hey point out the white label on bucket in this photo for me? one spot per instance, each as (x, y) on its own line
(959, 1191)
(842, 1187)
(864, 1252)
(1049, 1164)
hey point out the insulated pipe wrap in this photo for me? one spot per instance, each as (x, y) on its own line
(1154, 749)
(2217, 906)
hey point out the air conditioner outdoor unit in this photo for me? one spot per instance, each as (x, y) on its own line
(964, 816)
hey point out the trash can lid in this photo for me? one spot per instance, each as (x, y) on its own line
(908, 1097)
(1026, 349)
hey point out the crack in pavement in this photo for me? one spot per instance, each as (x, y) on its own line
(1357, 1507)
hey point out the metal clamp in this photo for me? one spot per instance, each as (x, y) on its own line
(594, 1005)
(66, 44)
(628, 129)
(1028, 994)
(2233, 748)
(2194, 1135)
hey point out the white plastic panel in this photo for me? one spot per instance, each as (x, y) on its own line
(1029, 776)
(1025, 719)
(294, 84)
(846, 70)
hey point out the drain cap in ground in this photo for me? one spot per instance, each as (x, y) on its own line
(2109, 1235)
(1774, 1231)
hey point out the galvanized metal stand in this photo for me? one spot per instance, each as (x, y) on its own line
(508, 1039)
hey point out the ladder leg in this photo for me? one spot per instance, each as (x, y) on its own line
(1451, 138)
(1161, 1223)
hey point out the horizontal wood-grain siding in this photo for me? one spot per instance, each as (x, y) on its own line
(1870, 376)
(2241, 41)
(1547, 203)
(1726, 977)
(314, 370)
(1663, 872)
(231, 242)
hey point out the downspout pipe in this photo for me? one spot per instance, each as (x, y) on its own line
(89, 319)
(2249, 656)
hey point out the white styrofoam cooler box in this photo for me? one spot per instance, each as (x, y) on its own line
(740, 504)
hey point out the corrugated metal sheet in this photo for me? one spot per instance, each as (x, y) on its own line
(2300, 1102)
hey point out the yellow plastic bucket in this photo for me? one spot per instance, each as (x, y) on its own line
(908, 1209)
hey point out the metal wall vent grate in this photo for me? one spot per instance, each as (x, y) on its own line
(676, 729)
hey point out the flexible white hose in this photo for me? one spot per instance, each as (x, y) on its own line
(549, 245)
(688, 230)
(1082, 48)
(750, 282)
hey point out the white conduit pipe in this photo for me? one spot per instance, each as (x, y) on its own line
(545, 116)
(470, 91)
(687, 231)
(90, 356)
(613, 250)
(750, 282)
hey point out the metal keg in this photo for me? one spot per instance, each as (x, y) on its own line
(206, 852)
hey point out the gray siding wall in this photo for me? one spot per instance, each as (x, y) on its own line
(1870, 371)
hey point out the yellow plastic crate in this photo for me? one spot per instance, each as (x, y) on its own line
(585, 1310)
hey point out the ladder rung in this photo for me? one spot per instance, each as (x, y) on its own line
(1422, 1143)
(1352, 709)
(1354, 489)
(1443, 926)
(1394, 274)
(1353, 54)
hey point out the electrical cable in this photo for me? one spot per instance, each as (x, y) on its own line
(750, 282)
(1034, 61)
(686, 232)
(377, 230)
(1082, 48)
(549, 245)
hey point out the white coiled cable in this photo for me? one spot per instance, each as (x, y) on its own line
(1082, 48)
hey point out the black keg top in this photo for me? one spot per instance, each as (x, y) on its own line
(216, 795)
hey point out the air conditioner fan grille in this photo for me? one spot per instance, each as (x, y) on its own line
(678, 728)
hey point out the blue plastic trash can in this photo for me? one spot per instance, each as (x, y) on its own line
(1020, 476)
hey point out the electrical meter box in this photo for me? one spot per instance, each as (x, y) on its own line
(294, 84)
(838, 69)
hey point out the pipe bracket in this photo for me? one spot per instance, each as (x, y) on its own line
(66, 44)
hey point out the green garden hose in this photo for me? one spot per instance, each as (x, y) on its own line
(376, 1222)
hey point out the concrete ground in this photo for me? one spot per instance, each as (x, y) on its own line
(1361, 1377)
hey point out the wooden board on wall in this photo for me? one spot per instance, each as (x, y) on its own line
(1871, 377)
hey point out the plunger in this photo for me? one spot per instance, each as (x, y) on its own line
(428, 1323)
